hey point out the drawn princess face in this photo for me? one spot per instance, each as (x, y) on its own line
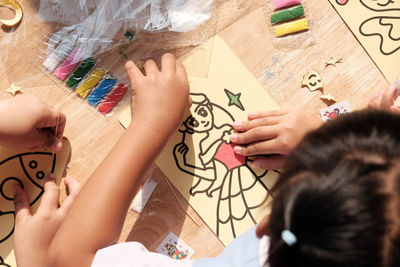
(380, 4)
(201, 119)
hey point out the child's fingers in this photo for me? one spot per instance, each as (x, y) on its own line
(389, 97)
(375, 101)
(51, 195)
(243, 126)
(21, 203)
(62, 120)
(168, 63)
(133, 71)
(181, 72)
(268, 113)
(254, 135)
(269, 163)
(150, 67)
(259, 148)
(73, 188)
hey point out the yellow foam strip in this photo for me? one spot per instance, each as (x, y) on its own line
(292, 27)
(18, 12)
(91, 81)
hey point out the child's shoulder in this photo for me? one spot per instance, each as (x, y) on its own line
(133, 254)
(246, 250)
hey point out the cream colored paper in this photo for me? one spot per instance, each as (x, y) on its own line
(376, 24)
(29, 170)
(232, 192)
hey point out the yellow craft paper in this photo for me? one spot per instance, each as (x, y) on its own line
(29, 168)
(90, 82)
(292, 27)
(376, 26)
(225, 72)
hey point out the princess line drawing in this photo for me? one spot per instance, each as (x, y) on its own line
(205, 152)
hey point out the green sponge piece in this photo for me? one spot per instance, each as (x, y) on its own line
(287, 14)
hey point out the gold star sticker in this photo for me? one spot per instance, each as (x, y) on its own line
(333, 61)
(328, 97)
(14, 90)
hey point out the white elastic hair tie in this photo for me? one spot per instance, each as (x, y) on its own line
(288, 237)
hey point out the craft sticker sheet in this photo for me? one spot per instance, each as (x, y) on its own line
(224, 189)
(376, 24)
(173, 247)
(28, 169)
(334, 111)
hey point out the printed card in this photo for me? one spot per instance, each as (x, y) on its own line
(334, 111)
(173, 247)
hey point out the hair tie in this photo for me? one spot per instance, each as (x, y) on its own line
(288, 237)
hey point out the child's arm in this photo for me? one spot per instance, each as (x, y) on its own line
(272, 133)
(34, 233)
(26, 122)
(97, 216)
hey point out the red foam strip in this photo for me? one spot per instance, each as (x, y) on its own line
(113, 99)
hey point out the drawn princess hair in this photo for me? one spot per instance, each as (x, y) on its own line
(205, 152)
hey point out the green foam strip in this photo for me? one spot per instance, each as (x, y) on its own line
(287, 14)
(81, 72)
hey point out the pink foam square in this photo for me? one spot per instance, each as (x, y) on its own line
(228, 157)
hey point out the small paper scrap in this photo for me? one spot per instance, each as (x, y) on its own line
(14, 90)
(287, 14)
(173, 247)
(328, 97)
(143, 196)
(292, 27)
(333, 61)
(334, 111)
(313, 81)
(285, 3)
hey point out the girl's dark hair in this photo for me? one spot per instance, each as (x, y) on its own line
(339, 194)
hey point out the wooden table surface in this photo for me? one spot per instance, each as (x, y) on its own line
(278, 65)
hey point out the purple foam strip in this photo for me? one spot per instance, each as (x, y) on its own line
(69, 64)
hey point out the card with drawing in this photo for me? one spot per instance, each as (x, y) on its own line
(334, 111)
(173, 247)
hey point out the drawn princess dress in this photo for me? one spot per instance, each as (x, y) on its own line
(239, 193)
(27, 171)
(205, 153)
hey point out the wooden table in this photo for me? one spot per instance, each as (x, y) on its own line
(278, 65)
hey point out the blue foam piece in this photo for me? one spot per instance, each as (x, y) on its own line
(102, 90)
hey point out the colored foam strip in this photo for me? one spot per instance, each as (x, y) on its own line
(81, 72)
(69, 64)
(90, 82)
(113, 99)
(285, 3)
(103, 89)
(287, 14)
(292, 27)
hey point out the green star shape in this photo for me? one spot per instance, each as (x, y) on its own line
(234, 99)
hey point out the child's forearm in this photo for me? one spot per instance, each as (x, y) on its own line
(97, 216)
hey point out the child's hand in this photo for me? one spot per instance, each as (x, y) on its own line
(272, 133)
(26, 122)
(160, 97)
(385, 99)
(34, 233)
